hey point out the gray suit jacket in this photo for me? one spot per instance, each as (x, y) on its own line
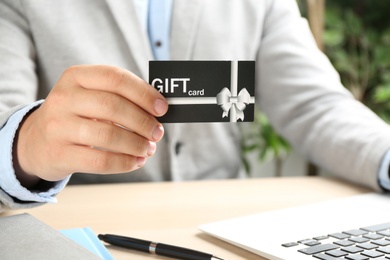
(296, 85)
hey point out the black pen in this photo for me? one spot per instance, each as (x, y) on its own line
(156, 248)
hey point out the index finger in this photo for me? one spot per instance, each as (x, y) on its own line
(122, 82)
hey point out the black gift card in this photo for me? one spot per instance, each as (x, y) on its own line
(205, 91)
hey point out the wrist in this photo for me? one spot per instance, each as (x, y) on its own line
(26, 179)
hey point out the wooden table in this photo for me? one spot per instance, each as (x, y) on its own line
(170, 212)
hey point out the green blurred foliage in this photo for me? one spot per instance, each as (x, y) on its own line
(357, 41)
(262, 138)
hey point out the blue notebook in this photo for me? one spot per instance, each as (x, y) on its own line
(86, 238)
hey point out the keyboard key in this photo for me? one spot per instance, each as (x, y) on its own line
(312, 243)
(384, 233)
(355, 232)
(317, 249)
(344, 242)
(290, 244)
(367, 246)
(356, 257)
(336, 253)
(320, 237)
(385, 250)
(376, 228)
(373, 236)
(309, 242)
(359, 239)
(352, 249)
(381, 242)
(372, 253)
(339, 235)
(305, 240)
(325, 257)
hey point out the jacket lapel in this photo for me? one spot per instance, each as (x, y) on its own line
(185, 20)
(125, 15)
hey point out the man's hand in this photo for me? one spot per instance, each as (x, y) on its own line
(96, 119)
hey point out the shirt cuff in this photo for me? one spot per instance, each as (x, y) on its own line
(8, 181)
(383, 174)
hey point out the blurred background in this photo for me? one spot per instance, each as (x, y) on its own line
(355, 35)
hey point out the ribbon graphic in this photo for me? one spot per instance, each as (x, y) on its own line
(230, 101)
(237, 104)
(232, 104)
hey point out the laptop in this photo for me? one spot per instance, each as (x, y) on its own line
(355, 227)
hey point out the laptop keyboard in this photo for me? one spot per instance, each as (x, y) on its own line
(372, 242)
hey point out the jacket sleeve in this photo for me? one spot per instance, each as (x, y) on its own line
(301, 93)
(18, 86)
(18, 80)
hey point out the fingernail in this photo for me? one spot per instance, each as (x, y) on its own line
(141, 161)
(152, 148)
(158, 132)
(160, 106)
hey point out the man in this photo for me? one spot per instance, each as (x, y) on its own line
(102, 118)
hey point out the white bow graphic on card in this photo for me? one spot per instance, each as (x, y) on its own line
(236, 103)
